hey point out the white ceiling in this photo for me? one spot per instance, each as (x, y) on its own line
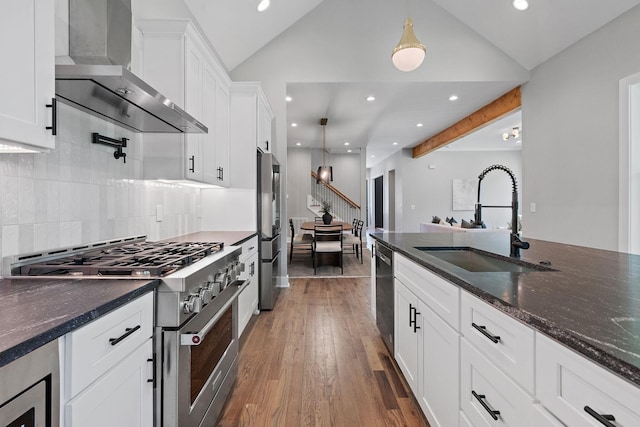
(238, 31)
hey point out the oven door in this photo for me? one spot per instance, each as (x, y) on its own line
(199, 363)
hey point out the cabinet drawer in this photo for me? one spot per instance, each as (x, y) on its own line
(93, 349)
(441, 296)
(566, 383)
(514, 349)
(493, 388)
(248, 248)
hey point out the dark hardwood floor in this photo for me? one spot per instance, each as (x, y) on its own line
(317, 360)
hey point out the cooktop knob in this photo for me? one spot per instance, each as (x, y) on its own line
(192, 305)
(206, 296)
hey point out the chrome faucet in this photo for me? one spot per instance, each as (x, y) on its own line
(515, 243)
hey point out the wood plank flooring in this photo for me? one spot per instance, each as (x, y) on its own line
(317, 360)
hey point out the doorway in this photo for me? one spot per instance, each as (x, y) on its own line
(392, 200)
(378, 200)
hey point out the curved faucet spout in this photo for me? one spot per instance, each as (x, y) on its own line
(515, 243)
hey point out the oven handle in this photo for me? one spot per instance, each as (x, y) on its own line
(196, 339)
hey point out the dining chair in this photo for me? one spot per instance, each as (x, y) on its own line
(327, 240)
(299, 242)
(318, 220)
(354, 240)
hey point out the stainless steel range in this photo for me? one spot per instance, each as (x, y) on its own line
(195, 336)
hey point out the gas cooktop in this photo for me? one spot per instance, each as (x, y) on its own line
(131, 257)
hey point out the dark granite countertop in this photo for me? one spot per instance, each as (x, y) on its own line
(227, 237)
(34, 311)
(590, 304)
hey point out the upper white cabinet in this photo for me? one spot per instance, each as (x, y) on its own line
(27, 86)
(249, 127)
(177, 62)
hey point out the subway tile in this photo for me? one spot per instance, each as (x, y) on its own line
(10, 192)
(26, 202)
(10, 240)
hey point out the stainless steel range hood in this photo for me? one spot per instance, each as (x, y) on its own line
(100, 82)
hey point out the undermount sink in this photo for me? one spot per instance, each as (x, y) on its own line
(474, 260)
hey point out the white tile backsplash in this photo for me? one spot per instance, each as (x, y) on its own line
(79, 193)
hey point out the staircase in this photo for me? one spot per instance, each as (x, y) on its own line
(342, 207)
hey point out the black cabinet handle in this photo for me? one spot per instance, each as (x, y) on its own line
(483, 331)
(153, 369)
(415, 319)
(602, 418)
(411, 319)
(128, 331)
(267, 144)
(252, 269)
(220, 174)
(192, 159)
(494, 414)
(54, 117)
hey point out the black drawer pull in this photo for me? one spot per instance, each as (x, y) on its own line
(54, 117)
(415, 319)
(411, 319)
(494, 414)
(483, 331)
(128, 331)
(192, 159)
(603, 418)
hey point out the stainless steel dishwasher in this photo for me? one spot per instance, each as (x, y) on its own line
(384, 293)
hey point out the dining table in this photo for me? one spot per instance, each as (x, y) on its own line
(310, 225)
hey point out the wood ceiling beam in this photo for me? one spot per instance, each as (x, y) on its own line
(491, 112)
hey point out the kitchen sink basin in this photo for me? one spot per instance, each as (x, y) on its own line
(474, 260)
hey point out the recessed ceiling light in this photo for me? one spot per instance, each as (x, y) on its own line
(263, 5)
(419, 125)
(521, 4)
(288, 99)
(298, 143)
(348, 151)
(346, 143)
(453, 98)
(395, 143)
(373, 155)
(371, 98)
(294, 125)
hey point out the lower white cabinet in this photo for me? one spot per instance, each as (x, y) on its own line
(248, 298)
(426, 348)
(577, 392)
(121, 397)
(108, 369)
(488, 397)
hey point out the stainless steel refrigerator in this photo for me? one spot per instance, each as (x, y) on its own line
(269, 228)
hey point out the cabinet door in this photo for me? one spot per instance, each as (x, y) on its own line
(406, 334)
(122, 397)
(223, 174)
(264, 126)
(28, 77)
(439, 369)
(193, 104)
(567, 384)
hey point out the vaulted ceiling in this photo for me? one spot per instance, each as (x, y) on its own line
(238, 33)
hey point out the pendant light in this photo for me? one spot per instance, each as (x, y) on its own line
(325, 173)
(409, 52)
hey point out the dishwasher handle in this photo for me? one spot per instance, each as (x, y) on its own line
(383, 258)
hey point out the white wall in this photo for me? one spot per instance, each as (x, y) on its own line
(78, 193)
(570, 136)
(430, 190)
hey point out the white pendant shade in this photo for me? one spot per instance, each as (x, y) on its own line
(409, 53)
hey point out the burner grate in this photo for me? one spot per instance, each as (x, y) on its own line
(145, 259)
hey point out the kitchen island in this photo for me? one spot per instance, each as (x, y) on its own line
(576, 311)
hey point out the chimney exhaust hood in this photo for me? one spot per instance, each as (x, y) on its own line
(100, 82)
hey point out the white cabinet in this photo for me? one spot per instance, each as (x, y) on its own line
(178, 63)
(108, 368)
(426, 345)
(576, 391)
(249, 123)
(508, 343)
(28, 77)
(488, 397)
(265, 118)
(248, 298)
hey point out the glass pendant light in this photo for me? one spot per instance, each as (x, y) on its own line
(325, 173)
